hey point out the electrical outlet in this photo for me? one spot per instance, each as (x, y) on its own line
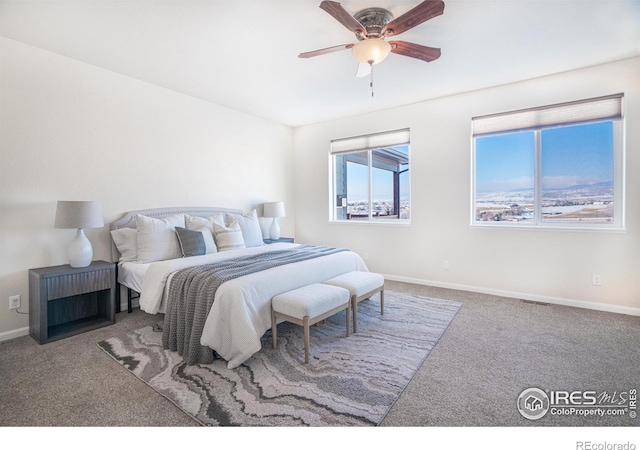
(14, 302)
(445, 265)
(596, 280)
(365, 256)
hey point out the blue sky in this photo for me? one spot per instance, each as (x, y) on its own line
(581, 154)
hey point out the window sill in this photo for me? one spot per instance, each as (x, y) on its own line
(394, 223)
(505, 225)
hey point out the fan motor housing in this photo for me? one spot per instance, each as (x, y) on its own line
(373, 20)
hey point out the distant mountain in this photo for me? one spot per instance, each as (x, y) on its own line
(575, 187)
(604, 184)
(520, 189)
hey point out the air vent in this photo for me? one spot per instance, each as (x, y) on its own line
(531, 302)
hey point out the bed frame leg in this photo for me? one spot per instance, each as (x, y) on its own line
(118, 306)
(129, 300)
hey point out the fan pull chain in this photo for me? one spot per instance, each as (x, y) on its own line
(371, 74)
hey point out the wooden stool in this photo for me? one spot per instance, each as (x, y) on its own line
(361, 285)
(308, 305)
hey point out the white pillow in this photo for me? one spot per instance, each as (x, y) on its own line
(208, 240)
(126, 242)
(157, 240)
(195, 222)
(250, 226)
(228, 238)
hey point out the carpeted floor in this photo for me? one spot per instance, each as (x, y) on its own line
(493, 350)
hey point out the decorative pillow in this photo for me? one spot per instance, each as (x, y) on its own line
(126, 240)
(250, 226)
(191, 242)
(157, 238)
(209, 243)
(228, 238)
(195, 223)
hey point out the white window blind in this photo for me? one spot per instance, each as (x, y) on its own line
(601, 108)
(370, 142)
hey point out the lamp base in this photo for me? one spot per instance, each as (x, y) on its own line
(80, 250)
(274, 230)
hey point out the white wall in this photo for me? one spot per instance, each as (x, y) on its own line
(535, 264)
(72, 131)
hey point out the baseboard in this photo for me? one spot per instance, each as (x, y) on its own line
(460, 287)
(521, 295)
(19, 332)
(12, 334)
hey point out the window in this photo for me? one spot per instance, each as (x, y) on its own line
(555, 166)
(371, 178)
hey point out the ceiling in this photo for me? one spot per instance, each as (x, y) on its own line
(242, 54)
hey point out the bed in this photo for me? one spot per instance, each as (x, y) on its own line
(239, 313)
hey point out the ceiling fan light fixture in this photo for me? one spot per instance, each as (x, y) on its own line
(371, 51)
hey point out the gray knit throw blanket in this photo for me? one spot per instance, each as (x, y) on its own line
(192, 291)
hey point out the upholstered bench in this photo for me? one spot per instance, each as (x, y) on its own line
(361, 285)
(308, 305)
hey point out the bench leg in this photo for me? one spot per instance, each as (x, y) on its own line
(354, 304)
(348, 314)
(274, 329)
(305, 323)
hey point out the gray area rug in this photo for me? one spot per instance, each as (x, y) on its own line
(350, 381)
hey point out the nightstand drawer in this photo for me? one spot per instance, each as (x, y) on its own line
(77, 283)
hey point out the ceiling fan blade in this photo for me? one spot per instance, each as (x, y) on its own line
(412, 50)
(426, 10)
(363, 70)
(336, 10)
(324, 51)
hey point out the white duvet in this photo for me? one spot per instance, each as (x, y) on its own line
(241, 311)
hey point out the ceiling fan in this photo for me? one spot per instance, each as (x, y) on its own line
(372, 25)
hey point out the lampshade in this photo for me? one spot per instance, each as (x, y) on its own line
(70, 214)
(274, 209)
(371, 51)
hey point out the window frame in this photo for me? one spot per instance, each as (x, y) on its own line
(362, 144)
(618, 222)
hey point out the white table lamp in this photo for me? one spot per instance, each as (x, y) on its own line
(275, 210)
(70, 214)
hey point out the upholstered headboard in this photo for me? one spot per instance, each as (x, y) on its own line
(128, 220)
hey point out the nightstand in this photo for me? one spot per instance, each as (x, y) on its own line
(64, 301)
(282, 239)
